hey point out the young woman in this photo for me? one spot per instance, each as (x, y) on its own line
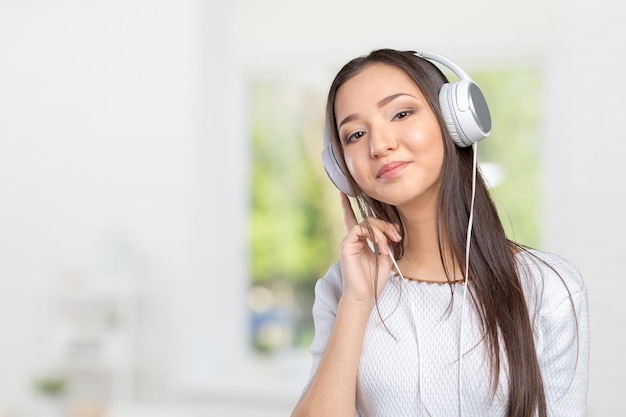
(415, 319)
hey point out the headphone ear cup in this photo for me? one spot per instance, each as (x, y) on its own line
(332, 167)
(447, 109)
(465, 112)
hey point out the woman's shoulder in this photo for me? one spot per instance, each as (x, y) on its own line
(550, 276)
(332, 276)
(551, 265)
(330, 285)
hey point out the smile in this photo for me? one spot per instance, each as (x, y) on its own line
(391, 170)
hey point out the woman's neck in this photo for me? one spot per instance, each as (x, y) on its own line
(422, 258)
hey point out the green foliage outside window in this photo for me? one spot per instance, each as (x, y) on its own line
(291, 219)
(294, 212)
(515, 103)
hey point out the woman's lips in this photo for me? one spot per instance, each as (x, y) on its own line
(390, 170)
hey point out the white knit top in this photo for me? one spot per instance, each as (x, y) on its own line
(412, 369)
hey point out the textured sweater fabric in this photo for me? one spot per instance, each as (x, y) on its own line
(410, 363)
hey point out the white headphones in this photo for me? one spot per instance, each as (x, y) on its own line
(464, 110)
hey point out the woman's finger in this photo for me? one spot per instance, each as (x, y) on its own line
(385, 229)
(377, 233)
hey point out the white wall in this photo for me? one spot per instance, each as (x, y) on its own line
(123, 128)
(97, 148)
(586, 181)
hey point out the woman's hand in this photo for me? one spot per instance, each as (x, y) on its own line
(332, 390)
(362, 282)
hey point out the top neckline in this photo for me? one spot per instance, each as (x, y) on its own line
(518, 253)
(424, 281)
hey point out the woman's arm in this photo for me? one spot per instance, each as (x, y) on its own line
(565, 357)
(332, 389)
(563, 336)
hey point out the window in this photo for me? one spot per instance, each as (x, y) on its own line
(293, 213)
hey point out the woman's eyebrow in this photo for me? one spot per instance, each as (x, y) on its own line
(350, 118)
(392, 97)
(381, 103)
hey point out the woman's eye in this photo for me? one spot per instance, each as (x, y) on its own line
(354, 136)
(402, 114)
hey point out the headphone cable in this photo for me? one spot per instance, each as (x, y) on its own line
(466, 281)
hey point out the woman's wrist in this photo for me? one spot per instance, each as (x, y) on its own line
(352, 306)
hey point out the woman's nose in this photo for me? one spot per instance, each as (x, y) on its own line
(381, 143)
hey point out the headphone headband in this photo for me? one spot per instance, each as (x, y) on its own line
(431, 56)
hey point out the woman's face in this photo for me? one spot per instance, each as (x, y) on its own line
(391, 139)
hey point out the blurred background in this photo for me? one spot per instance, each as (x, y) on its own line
(164, 214)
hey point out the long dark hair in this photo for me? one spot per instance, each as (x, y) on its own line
(496, 289)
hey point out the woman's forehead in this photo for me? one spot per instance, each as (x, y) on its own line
(373, 84)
